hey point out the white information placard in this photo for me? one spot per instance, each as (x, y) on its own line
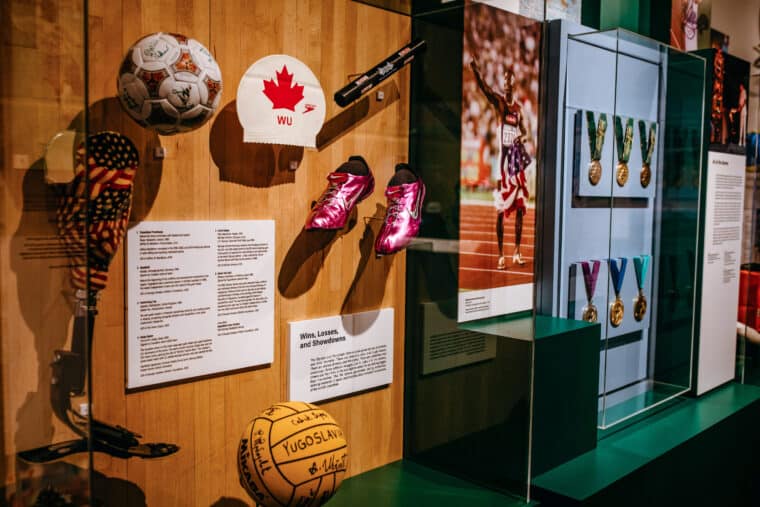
(200, 299)
(720, 269)
(446, 346)
(339, 355)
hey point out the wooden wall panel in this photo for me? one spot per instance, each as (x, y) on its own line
(210, 174)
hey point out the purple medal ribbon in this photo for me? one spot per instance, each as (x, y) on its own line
(589, 277)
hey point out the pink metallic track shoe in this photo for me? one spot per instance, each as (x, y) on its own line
(405, 194)
(350, 183)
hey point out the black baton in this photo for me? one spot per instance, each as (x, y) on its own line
(379, 73)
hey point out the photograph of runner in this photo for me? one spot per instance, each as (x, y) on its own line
(498, 159)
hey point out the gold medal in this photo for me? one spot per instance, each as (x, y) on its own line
(645, 176)
(617, 310)
(590, 274)
(594, 172)
(622, 174)
(640, 307)
(641, 264)
(589, 313)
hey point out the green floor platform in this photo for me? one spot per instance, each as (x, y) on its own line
(697, 452)
(405, 483)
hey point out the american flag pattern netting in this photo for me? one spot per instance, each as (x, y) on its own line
(92, 219)
(93, 213)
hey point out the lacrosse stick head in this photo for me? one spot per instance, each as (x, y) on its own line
(94, 211)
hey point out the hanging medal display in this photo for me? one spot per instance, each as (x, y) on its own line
(640, 264)
(647, 148)
(590, 274)
(596, 132)
(617, 273)
(624, 138)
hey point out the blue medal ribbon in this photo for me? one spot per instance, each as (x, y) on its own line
(641, 264)
(618, 273)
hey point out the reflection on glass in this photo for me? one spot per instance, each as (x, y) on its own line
(43, 90)
(467, 389)
(748, 337)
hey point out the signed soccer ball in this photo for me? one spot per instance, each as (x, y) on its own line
(169, 83)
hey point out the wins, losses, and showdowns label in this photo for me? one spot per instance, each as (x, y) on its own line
(339, 355)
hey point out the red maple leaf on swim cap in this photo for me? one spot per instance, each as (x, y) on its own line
(283, 94)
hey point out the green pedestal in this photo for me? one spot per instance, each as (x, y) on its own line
(565, 380)
(565, 383)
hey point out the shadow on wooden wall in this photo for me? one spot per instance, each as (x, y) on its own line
(305, 258)
(33, 251)
(368, 286)
(251, 164)
(356, 114)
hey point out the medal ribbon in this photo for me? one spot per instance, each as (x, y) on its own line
(647, 142)
(596, 134)
(589, 278)
(617, 274)
(641, 264)
(624, 138)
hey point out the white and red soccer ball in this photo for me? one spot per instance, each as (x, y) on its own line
(169, 83)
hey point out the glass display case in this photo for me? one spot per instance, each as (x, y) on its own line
(622, 203)
(475, 406)
(456, 401)
(165, 240)
(165, 266)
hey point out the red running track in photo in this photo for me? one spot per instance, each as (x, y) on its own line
(479, 251)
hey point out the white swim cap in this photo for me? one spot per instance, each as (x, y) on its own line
(280, 101)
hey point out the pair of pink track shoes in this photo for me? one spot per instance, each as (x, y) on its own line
(353, 182)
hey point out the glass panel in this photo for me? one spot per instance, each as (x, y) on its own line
(44, 321)
(647, 101)
(198, 325)
(468, 385)
(748, 338)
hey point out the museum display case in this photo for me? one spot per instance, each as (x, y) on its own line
(469, 235)
(471, 335)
